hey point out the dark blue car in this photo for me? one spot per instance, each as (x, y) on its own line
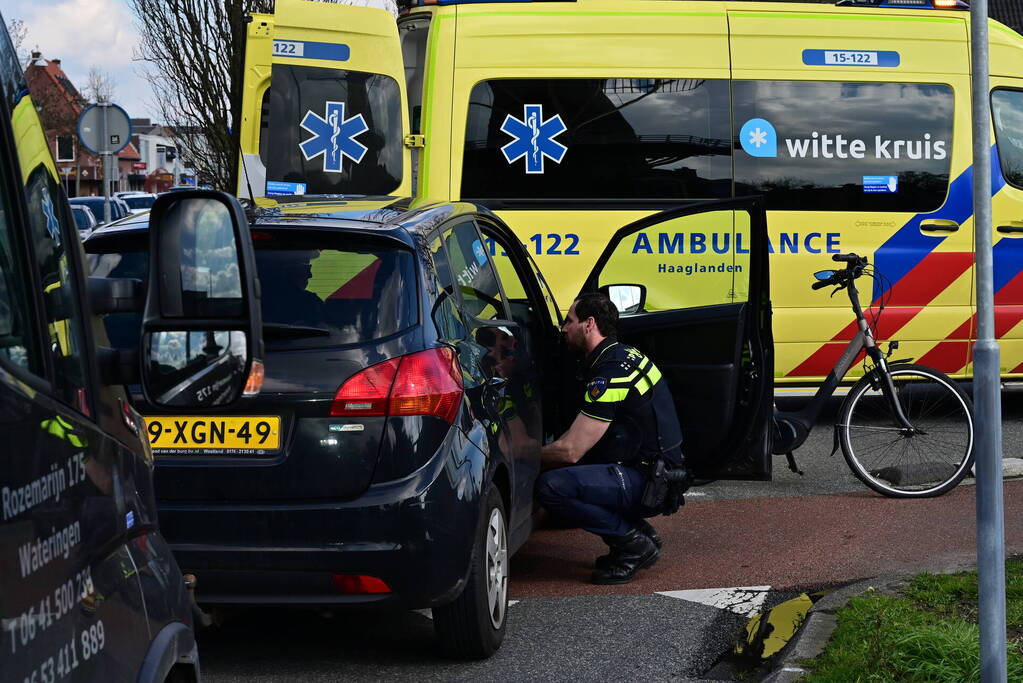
(413, 371)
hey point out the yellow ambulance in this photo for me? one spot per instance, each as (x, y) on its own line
(570, 119)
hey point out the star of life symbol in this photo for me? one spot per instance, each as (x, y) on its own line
(52, 225)
(758, 137)
(533, 138)
(333, 137)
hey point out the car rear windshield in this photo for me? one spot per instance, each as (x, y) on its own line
(139, 202)
(331, 131)
(318, 289)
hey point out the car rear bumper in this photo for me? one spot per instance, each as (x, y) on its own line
(415, 534)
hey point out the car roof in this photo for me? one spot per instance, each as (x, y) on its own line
(399, 217)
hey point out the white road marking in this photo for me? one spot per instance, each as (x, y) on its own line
(745, 601)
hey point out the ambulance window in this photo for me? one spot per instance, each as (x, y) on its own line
(831, 146)
(413, 51)
(474, 273)
(332, 131)
(598, 138)
(54, 237)
(1007, 110)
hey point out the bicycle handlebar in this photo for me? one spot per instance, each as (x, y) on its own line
(851, 259)
(821, 284)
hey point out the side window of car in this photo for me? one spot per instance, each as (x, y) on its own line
(18, 339)
(53, 237)
(474, 273)
(520, 306)
(445, 308)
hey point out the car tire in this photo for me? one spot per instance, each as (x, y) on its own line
(473, 625)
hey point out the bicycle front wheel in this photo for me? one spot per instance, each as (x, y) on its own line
(927, 461)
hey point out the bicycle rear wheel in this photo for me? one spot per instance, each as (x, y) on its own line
(928, 462)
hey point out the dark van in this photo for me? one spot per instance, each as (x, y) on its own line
(89, 590)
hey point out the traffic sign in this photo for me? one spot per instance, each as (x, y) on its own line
(104, 128)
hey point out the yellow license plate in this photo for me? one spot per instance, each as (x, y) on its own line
(206, 433)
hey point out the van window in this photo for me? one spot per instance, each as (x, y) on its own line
(55, 238)
(598, 138)
(831, 146)
(333, 132)
(414, 33)
(1007, 111)
(18, 343)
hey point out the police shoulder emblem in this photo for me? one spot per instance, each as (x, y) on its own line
(596, 387)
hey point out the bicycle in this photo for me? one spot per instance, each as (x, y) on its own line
(906, 430)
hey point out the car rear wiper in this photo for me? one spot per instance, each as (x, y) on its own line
(285, 331)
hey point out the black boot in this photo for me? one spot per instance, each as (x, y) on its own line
(604, 561)
(629, 554)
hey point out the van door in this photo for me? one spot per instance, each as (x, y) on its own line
(1007, 221)
(72, 606)
(854, 123)
(705, 320)
(324, 89)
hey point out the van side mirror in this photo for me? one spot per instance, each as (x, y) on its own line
(202, 340)
(626, 298)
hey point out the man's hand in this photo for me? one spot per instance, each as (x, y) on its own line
(584, 433)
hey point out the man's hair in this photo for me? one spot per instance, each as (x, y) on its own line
(596, 305)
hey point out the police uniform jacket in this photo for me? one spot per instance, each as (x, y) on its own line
(625, 388)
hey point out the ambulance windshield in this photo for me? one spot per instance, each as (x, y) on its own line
(331, 131)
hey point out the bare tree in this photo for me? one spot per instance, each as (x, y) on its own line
(18, 30)
(100, 86)
(193, 50)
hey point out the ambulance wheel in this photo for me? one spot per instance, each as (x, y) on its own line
(472, 627)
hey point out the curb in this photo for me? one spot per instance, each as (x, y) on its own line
(816, 630)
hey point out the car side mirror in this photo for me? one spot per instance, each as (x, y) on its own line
(202, 340)
(626, 298)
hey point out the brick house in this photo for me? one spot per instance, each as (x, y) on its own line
(60, 104)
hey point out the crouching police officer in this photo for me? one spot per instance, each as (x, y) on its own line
(619, 446)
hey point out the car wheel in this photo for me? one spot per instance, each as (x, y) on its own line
(472, 627)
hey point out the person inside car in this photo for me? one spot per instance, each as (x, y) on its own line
(597, 471)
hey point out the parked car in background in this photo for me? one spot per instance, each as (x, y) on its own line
(84, 219)
(139, 202)
(118, 209)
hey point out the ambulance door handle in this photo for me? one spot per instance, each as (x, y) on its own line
(938, 225)
(1012, 227)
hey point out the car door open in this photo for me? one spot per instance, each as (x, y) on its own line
(692, 287)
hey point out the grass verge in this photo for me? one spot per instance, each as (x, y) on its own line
(927, 631)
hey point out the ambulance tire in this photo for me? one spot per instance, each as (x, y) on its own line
(473, 625)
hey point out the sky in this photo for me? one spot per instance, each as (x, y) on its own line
(87, 33)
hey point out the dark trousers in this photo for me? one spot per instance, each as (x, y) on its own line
(602, 499)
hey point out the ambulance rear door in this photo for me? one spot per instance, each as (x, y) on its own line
(854, 123)
(324, 103)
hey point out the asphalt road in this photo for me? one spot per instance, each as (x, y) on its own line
(776, 539)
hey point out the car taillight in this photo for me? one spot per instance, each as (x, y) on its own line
(424, 383)
(358, 584)
(365, 393)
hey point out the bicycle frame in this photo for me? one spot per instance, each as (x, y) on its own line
(862, 341)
